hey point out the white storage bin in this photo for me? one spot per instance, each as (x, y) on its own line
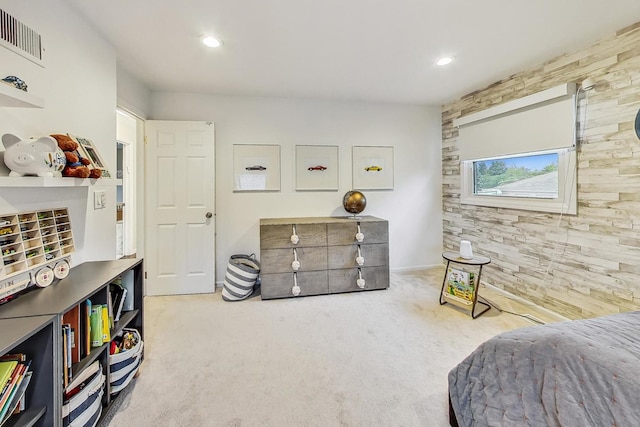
(123, 366)
(84, 408)
(240, 279)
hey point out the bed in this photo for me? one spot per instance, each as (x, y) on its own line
(575, 373)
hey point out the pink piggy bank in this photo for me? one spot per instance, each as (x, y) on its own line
(40, 157)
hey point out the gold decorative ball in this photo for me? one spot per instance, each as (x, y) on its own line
(354, 202)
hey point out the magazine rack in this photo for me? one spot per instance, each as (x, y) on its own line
(476, 261)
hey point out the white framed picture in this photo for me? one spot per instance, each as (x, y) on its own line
(316, 168)
(256, 167)
(372, 167)
(88, 150)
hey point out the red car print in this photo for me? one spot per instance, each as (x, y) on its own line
(317, 168)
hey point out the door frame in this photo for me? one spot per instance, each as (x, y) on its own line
(129, 141)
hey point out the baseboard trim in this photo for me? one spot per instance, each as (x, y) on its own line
(410, 269)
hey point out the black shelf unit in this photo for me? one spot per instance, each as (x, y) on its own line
(32, 324)
(34, 336)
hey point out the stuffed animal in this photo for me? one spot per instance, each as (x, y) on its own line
(77, 166)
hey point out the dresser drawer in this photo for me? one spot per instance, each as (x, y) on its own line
(279, 260)
(344, 233)
(280, 285)
(279, 236)
(345, 256)
(345, 280)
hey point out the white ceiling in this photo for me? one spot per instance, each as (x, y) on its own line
(370, 50)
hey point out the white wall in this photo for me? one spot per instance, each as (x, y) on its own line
(133, 96)
(78, 85)
(413, 208)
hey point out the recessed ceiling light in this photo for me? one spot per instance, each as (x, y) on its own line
(211, 41)
(445, 60)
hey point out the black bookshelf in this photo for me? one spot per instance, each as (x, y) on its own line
(34, 336)
(32, 323)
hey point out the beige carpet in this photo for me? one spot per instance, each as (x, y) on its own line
(376, 358)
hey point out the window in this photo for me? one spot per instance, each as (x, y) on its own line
(521, 154)
(533, 175)
(541, 181)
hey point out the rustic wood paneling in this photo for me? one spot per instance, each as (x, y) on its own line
(579, 266)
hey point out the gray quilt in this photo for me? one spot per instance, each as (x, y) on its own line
(576, 373)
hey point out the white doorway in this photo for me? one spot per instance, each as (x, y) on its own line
(179, 207)
(127, 133)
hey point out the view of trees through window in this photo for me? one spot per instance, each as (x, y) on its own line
(522, 176)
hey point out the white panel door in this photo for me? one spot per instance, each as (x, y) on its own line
(179, 199)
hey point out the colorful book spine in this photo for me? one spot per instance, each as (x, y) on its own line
(106, 324)
(96, 325)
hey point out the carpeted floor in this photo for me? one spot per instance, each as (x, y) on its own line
(376, 358)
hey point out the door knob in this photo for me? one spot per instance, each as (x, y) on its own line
(208, 215)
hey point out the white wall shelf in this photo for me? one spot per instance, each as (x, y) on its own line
(12, 97)
(47, 181)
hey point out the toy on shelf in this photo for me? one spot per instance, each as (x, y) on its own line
(35, 248)
(16, 82)
(40, 157)
(76, 166)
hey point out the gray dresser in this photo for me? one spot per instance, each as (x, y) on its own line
(322, 255)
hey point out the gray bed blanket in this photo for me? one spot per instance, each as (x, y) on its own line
(575, 373)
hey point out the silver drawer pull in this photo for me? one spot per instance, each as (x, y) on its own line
(294, 237)
(296, 289)
(295, 264)
(359, 258)
(360, 281)
(359, 235)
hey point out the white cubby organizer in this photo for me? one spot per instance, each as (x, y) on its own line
(35, 248)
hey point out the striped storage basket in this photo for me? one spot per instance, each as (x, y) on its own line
(84, 408)
(124, 366)
(242, 273)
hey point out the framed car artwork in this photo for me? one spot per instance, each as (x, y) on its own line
(316, 168)
(256, 167)
(372, 167)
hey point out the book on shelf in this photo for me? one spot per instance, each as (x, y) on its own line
(127, 282)
(8, 386)
(66, 354)
(72, 317)
(96, 325)
(118, 294)
(6, 369)
(87, 327)
(12, 387)
(106, 324)
(460, 286)
(17, 404)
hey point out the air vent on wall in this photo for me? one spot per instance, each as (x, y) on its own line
(21, 39)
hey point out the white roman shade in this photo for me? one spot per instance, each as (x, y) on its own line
(543, 121)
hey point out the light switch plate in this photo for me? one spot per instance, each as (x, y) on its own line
(99, 200)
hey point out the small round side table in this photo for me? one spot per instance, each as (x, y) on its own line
(476, 261)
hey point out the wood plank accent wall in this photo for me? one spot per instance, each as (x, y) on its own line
(579, 266)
